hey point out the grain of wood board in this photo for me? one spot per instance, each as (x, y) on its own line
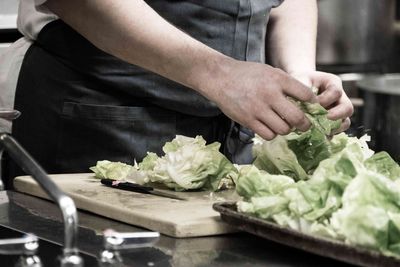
(177, 218)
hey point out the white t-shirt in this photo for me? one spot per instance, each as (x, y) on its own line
(32, 17)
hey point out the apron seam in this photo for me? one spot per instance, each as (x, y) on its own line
(248, 29)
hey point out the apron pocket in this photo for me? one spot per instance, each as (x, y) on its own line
(117, 133)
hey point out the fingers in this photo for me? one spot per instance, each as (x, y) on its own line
(263, 130)
(298, 90)
(330, 96)
(323, 80)
(343, 127)
(275, 123)
(293, 115)
(343, 109)
(329, 85)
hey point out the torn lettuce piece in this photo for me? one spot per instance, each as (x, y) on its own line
(276, 157)
(262, 192)
(351, 194)
(253, 182)
(298, 153)
(324, 190)
(318, 117)
(310, 148)
(188, 164)
(384, 164)
(264, 207)
(342, 140)
(111, 170)
(370, 213)
(148, 162)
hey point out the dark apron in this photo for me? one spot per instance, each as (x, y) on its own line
(80, 104)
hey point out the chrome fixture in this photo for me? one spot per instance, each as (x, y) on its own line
(70, 255)
(26, 246)
(8, 115)
(114, 242)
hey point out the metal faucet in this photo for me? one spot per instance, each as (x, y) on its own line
(114, 242)
(7, 115)
(70, 255)
(26, 246)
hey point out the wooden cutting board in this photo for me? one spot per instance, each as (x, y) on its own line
(177, 218)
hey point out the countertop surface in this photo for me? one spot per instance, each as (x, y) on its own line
(20, 213)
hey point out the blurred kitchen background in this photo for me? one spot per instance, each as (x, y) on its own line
(8, 23)
(360, 41)
(357, 39)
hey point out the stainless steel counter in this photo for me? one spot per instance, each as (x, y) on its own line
(22, 213)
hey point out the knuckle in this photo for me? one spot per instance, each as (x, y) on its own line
(281, 77)
(299, 118)
(336, 79)
(336, 92)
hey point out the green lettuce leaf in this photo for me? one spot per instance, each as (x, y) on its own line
(262, 192)
(276, 157)
(353, 195)
(298, 153)
(370, 213)
(188, 164)
(318, 117)
(111, 170)
(253, 182)
(384, 164)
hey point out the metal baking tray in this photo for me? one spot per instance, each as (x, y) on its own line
(321, 246)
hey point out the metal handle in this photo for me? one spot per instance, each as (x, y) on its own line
(26, 246)
(1, 168)
(29, 261)
(115, 241)
(119, 241)
(8, 114)
(29, 165)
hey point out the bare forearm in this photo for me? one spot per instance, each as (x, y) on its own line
(292, 35)
(134, 32)
(252, 94)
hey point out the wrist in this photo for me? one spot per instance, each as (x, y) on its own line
(300, 69)
(210, 77)
(303, 75)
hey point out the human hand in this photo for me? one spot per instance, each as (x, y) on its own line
(330, 95)
(255, 95)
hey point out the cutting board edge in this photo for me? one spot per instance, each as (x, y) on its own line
(29, 186)
(22, 184)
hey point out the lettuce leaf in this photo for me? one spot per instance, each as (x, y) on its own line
(298, 153)
(353, 195)
(188, 164)
(276, 157)
(384, 164)
(370, 213)
(111, 170)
